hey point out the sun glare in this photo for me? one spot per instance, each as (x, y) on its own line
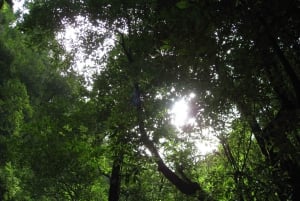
(179, 113)
(180, 117)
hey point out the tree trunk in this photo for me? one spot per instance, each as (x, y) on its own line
(274, 143)
(115, 179)
(282, 58)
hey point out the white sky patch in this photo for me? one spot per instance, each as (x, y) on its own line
(19, 9)
(19, 6)
(207, 143)
(87, 60)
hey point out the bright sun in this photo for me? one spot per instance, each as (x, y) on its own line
(180, 117)
(179, 113)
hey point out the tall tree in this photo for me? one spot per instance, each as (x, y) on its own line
(46, 145)
(239, 57)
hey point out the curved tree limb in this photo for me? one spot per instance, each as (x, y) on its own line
(186, 186)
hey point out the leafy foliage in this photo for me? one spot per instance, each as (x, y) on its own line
(60, 141)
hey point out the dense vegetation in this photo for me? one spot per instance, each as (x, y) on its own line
(61, 141)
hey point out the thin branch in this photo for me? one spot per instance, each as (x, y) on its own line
(247, 153)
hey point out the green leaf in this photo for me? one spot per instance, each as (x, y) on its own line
(183, 4)
(83, 129)
(165, 47)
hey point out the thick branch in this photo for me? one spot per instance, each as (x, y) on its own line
(256, 130)
(186, 186)
(285, 63)
(246, 113)
(228, 152)
(283, 93)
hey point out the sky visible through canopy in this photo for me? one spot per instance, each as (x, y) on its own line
(179, 111)
(87, 65)
(149, 100)
(180, 117)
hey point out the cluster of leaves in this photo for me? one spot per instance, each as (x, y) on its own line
(47, 150)
(62, 142)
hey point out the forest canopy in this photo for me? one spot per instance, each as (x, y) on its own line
(111, 136)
